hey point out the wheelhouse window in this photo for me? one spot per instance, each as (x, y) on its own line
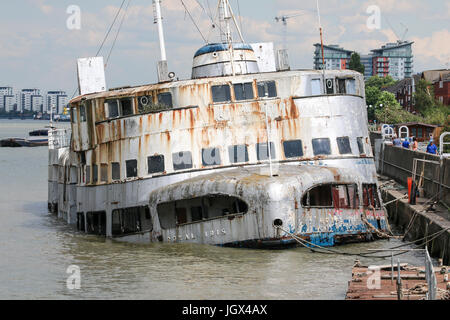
(238, 153)
(73, 115)
(115, 171)
(360, 145)
(126, 106)
(145, 104)
(341, 86)
(165, 99)
(329, 85)
(316, 90)
(321, 146)
(182, 160)
(221, 93)
(344, 145)
(131, 166)
(243, 91)
(82, 112)
(370, 196)
(113, 108)
(293, 149)
(155, 164)
(342, 196)
(262, 151)
(267, 88)
(211, 157)
(351, 86)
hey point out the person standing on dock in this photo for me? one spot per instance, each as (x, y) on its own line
(431, 148)
(397, 142)
(415, 144)
(405, 144)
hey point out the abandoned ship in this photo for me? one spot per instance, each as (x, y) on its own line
(245, 153)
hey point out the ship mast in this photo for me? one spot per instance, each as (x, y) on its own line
(163, 70)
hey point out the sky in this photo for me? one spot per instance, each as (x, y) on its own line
(40, 39)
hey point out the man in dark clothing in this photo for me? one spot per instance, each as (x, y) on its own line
(405, 144)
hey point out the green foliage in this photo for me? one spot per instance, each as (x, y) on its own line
(355, 63)
(424, 97)
(380, 82)
(388, 110)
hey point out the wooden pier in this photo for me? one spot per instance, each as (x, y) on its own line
(367, 284)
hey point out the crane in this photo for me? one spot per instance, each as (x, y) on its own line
(284, 19)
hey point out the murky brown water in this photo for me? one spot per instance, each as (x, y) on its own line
(36, 249)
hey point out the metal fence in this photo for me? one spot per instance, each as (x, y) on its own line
(430, 276)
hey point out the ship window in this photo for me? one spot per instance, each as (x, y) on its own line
(82, 113)
(115, 168)
(96, 222)
(353, 196)
(344, 145)
(196, 213)
(211, 157)
(268, 88)
(321, 146)
(293, 149)
(113, 108)
(351, 86)
(131, 220)
(341, 86)
(104, 172)
(94, 173)
(126, 106)
(193, 210)
(221, 93)
(329, 83)
(360, 145)
(182, 160)
(155, 164)
(315, 87)
(88, 174)
(262, 151)
(165, 99)
(370, 196)
(131, 168)
(243, 91)
(145, 104)
(320, 196)
(73, 115)
(238, 153)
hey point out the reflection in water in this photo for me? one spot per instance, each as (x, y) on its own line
(36, 249)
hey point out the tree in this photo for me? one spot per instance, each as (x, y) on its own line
(355, 63)
(424, 96)
(380, 82)
(388, 110)
(372, 97)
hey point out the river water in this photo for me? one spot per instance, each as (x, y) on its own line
(36, 250)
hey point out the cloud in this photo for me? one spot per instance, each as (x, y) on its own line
(45, 8)
(435, 48)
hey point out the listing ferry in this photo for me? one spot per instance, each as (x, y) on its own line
(234, 156)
